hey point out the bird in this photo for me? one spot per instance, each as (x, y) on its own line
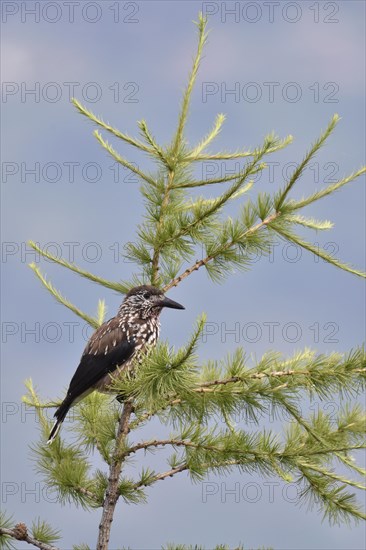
(116, 346)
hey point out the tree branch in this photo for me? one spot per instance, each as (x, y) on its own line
(334, 476)
(183, 467)
(145, 445)
(299, 170)
(219, 121)
(236, 154)
(317, 251)
(20, 532)
(209, 386)
(163, 475)
(58, 296)
(150, 139)
(87, 493)
(259, 376)
(60, 261)
(135, 142)
(204, 261)
(160, 221)
(162, 443)
(202, 36)
(118, 158)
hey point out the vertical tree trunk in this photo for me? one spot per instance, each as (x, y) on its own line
(111, 496)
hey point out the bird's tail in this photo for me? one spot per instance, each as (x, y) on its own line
(60, 417)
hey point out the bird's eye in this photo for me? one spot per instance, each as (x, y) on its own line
(146, 295)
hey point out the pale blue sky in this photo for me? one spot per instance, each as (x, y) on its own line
(134, 61)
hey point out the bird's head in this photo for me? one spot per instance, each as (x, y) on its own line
(146, 301)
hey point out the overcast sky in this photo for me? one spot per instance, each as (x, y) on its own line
(283, 66)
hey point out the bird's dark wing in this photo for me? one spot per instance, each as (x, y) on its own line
(108, 348)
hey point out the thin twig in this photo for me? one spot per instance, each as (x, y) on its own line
(150, 139)
(235, 154)
(87, 493)
(20, 532)
(160, 477)
(164, 442)
(177, 470)
(128, 139)
(317, 436)
(118, 158)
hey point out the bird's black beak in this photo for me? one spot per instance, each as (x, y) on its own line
(167, 302)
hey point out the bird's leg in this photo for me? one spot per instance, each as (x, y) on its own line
(122, 398)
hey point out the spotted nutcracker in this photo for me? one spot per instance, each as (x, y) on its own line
(115, 346)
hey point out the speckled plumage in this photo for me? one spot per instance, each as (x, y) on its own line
(117, 345)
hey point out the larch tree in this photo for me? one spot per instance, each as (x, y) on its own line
(173, 386)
